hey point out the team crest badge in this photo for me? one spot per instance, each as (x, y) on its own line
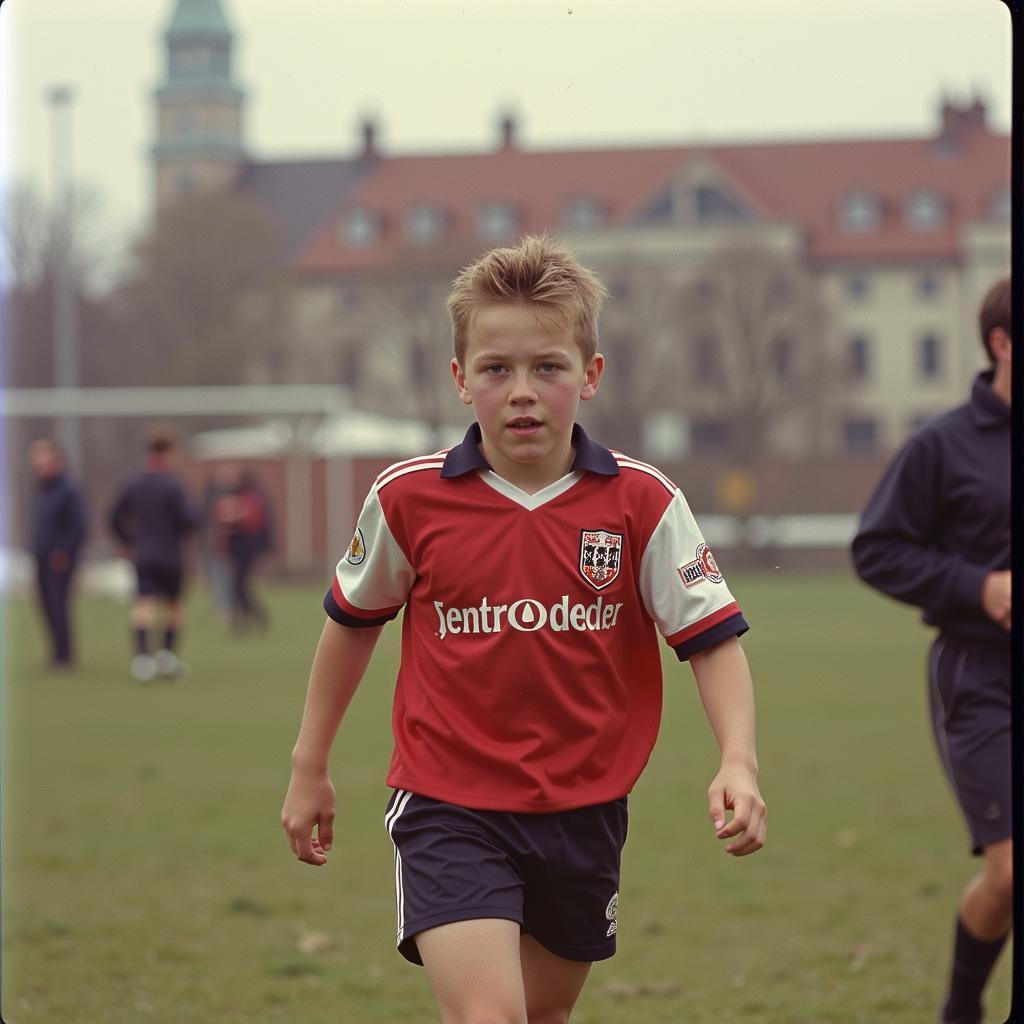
(600, 557)
(703, 567)
(357, 549)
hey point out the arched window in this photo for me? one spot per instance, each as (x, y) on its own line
(861, 211)
(424, 223)
(583, 212)
(497, 220)
(360, 226)
(925, 210)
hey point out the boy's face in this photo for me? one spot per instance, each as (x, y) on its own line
(525, 376)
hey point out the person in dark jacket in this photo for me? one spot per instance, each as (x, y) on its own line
(936, 534)
(151, 517)
(58, 525)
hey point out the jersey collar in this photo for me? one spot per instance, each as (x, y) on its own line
(591, 456)
(987, 408)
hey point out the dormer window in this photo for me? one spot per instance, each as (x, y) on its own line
(497, 220)
(861, 211)
(360, 226)
(424, 223)
(712, 204)
(583, 212)
(925, 210)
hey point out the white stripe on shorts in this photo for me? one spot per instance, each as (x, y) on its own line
(401, 799)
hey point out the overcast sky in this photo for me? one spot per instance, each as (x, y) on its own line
(435, 72)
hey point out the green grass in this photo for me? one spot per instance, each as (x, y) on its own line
(146, 876)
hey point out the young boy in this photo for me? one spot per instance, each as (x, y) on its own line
(936, 534)
(151, 517)
(535, 567)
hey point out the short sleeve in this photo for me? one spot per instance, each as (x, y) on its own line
(373, 579)
(682, 588)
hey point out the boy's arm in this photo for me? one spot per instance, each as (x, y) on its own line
(338, 666)
(727, 692)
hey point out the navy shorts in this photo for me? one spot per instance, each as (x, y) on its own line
(159, 580)
(969, 688)
(556, 875)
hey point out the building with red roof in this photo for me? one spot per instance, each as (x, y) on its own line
(871, 257)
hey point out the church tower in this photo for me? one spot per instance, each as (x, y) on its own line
(199, 107)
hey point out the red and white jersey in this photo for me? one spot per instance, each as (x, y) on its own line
(530, 677)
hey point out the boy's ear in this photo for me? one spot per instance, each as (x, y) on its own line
(999, 342)
(460, 383)
(592, 377)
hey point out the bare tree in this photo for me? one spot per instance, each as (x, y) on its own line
(638, 334)
(754, 324)
(394, 339)
(205, 299)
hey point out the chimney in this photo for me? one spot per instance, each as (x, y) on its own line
(368, 132)
(508, 127)
(960, 120)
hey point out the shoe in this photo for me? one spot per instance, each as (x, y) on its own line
(169, 665)
(143, 667)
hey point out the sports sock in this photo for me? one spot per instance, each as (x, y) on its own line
(141, 641)
(973, 960)
(170, 639)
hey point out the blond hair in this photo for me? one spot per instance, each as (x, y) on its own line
(535, 271)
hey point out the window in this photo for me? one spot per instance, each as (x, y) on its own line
(860, 436)
(928, 286)
(351, 368)
(497, 220)
(929, 357)
(858, 357)
(424, 223)
(360, 227)
(184, 123)
(705, 358)
(712, 204)
(583, 212)
(861, 211)
(780, 357)
(858, 287)
(925, 210)
(709, 437)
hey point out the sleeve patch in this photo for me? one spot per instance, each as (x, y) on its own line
(702, 568)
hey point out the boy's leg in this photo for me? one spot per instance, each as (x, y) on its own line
(982, 927)
(552, 983)
(475, 971)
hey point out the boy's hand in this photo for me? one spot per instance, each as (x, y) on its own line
(734, 788)
(996, 598)
(309, 802)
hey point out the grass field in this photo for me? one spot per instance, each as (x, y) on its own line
(146, 876)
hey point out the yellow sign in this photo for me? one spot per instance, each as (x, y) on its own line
(736, 491)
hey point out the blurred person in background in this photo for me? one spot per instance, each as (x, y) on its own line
(936, 534)
(151, 517)
(58, 525)
(244, 515)
(214, 539)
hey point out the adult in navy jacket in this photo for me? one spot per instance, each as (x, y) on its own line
(58, 526)
(936, 534)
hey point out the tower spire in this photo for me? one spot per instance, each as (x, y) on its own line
(199, 143)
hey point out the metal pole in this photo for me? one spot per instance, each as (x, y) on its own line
(65, 287)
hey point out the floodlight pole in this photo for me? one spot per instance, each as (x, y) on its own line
(65, 287)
